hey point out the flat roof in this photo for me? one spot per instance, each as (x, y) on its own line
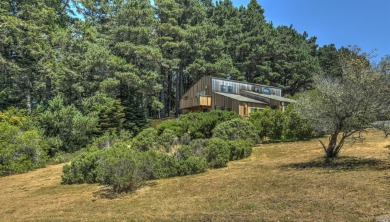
(240, 98)
(274, 97)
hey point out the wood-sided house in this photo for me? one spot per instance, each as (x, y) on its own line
(243, 98)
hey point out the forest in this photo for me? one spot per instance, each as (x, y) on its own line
(72, 71)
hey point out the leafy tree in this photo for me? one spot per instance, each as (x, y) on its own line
(27, 54)
(109, 112)
(67, 124)
(329, 59)
(292, 62)
(344, 107)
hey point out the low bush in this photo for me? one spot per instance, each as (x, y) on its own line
(240, 149)
(236, 129)
(217, 153)
(82, 169)
(168, 139)
(276, 125)
(200, 125)
(174, 125)
(199, 146)
(192, 165)
(146, 140)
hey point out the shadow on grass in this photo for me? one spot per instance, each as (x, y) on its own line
(342, 163)
(107, 192)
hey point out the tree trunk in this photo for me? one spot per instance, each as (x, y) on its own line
(331, 151)
(162, 94)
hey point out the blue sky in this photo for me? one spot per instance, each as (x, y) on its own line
(365, 23)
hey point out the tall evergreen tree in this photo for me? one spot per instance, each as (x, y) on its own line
(27, 54)
(170, 41)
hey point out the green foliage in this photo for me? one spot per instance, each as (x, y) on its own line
(168, 139)
(192, 165)
(268, 122)
(236, 129)
(23, 147)
(82, 169)
(295, 127)
(174, 125)
(71, 129)
(276, 125)
(110, 113)
(200, 125)
(240, 149)
(146, 140)
(217, 153)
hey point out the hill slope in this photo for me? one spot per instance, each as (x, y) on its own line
(283, 181)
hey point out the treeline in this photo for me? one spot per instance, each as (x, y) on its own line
(134, 60)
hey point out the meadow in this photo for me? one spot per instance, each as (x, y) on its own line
(287, 181)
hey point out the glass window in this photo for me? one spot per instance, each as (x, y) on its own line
(230, 89)
(223, 88)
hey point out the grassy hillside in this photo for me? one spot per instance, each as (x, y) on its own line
(283, 181)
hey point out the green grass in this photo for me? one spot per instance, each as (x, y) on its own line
(285, 181)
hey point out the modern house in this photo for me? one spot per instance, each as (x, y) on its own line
(211, 93)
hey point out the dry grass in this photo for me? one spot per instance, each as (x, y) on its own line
(279, 182)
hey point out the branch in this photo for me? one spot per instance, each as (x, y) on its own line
(323, 145)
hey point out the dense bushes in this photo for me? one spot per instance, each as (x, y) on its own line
(180, 147)
(22, 146)
(276, 125)
(236, 129)
(165, 152)
(200, 125)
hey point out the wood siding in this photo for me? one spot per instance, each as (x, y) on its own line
(204, 84)
(199, 95)
(226, 103)
(196, 101)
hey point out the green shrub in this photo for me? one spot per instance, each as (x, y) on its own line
(122, 172)
(217, 153)
(22, 146)
(146, 140)
(192, 165)
(236, 129)
(156, 165)
(167, 139)
(188, 163)
(268, 123)
(199, 146)
(240, 149)
(174, 125)
(200, 125)
(295, 127)
(82, 169)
